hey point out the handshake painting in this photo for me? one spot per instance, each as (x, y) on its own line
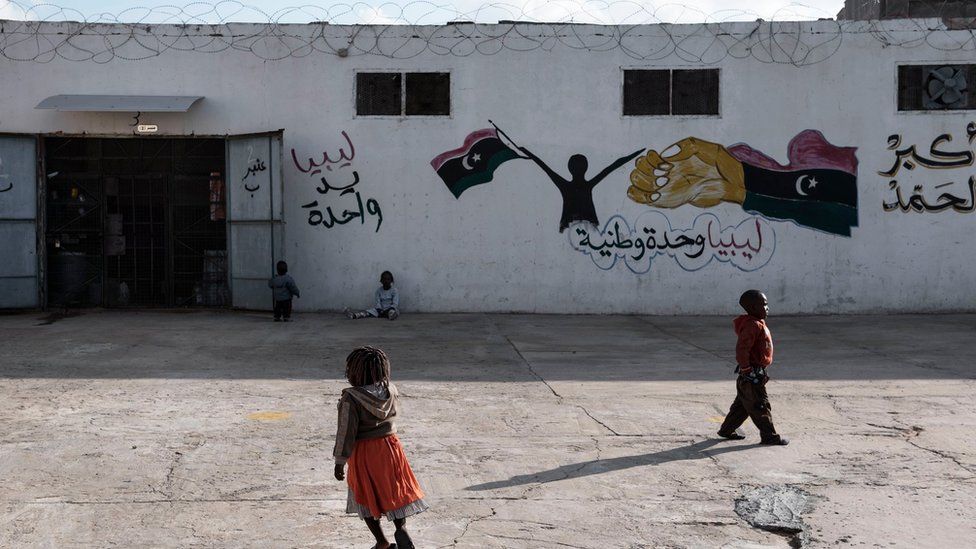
(816, 189)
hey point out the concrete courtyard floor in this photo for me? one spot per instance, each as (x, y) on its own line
(215, 429)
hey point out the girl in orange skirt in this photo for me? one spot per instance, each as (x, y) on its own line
(380, 480)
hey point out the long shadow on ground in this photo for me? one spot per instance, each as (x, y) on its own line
(600, 466)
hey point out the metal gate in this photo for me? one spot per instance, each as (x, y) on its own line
(254, 194)
(18, 222)
(136, 221)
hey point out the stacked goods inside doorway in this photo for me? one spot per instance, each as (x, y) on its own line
(135, 222)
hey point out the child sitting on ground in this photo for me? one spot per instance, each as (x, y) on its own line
(387, 301)
(753, 354)
(284, 289)
(380, 479)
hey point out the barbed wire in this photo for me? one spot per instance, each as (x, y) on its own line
(42, 33)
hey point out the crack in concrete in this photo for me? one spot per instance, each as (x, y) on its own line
(548, 542)
(911, 364)
(602, 424)
(561, 398)
(910, 433)
(467, 527)
(722, 357)
(528, 365)
(195, 441)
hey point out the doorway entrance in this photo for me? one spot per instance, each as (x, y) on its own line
(136, 222)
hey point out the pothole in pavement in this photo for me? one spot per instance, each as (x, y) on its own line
(777, 509)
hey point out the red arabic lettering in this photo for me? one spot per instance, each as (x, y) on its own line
(326, 159)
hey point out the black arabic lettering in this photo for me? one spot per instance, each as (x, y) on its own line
(373, 208)
(909, 157)
(700, 242)
(651, 242)
(899, 203)
(918, 203)
(723, 246)
(638, 243)
(329, 219)
(253, 169)
(314, 216)
(949, 160)
(326, 187)
(622, 244)
(586, 236)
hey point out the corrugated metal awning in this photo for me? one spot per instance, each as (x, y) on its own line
(124, 103)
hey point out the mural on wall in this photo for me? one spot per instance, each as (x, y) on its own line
(747, 246)
(475, 162)
(816, 189)
(5, 183)
(939, 160)
(338, 175)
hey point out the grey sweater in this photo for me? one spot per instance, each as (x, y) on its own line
(284, 287)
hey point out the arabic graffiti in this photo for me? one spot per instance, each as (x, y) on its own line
(338, 168)
(909, 159)
(371, 207)
(254, 165)
(817, 189)
(4, 176)
(918, 203)
(747, 246)
(313, 167)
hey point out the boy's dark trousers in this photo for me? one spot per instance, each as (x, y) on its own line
(282, 309)
(751, 401)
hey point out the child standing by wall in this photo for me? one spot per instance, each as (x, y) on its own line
(380, 479)
(753, 354)
(387, 301)
(284, 289)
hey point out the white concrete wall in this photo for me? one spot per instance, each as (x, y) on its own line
(498, 247)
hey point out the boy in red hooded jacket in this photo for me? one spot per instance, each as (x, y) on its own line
(753, 354)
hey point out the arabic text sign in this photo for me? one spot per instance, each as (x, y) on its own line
(913, 165)
(748, 245)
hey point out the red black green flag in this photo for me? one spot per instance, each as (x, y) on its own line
(474, 162)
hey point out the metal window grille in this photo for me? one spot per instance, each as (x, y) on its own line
(936, 87)
(647, 92)
(694, 91)
(379, 93)
(671, 92)
(428, 93)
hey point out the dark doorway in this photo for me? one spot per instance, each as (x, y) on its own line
(136, 222)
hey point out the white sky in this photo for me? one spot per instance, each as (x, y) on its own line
(424, 11)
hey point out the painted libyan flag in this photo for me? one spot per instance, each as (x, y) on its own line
(474, 162)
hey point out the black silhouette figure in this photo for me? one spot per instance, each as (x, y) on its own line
(578, 192)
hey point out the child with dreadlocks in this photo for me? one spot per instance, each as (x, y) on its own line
(380, 479)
